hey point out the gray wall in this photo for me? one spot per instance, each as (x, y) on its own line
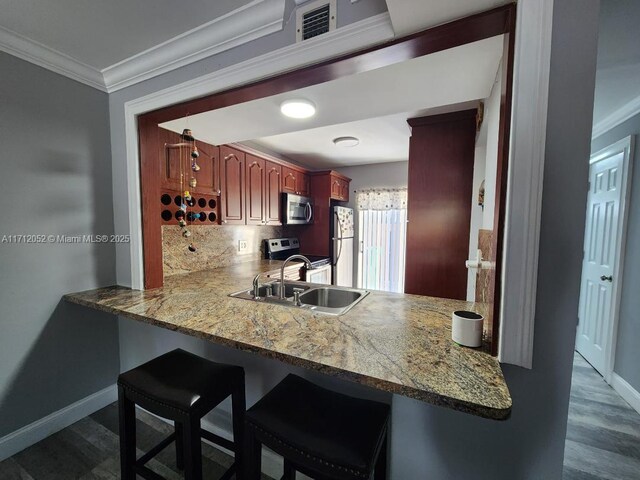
(56, 179)
(432, 442)
(627, 353)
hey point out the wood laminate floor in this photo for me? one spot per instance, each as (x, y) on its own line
(603, 442)
(603, 431)
(89, 450)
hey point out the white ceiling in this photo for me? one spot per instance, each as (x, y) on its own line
(102, 33)
(382, 140)
(450, 77)
(408, 16)
(618, 67)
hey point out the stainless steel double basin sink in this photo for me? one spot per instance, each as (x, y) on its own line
(327, 299)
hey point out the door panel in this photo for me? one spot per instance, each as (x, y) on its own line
(272, 194)
(289, 180)
(208, 176)
(232, 170)
(255, 190)
(303, 182)
(598, 275)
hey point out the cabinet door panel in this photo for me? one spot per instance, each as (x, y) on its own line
(255, 190)
(289, 180)
(208, 176)
(171, 169)
(272, 194)
(336, 188)
(303, 184)
(344, 190)
(232, 170)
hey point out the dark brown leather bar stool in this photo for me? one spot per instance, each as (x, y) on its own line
(182, 387)
(321, 433)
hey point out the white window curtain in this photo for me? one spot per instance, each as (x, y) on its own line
(382, 230)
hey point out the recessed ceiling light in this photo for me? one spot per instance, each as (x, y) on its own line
(346, 141)
(298, 108)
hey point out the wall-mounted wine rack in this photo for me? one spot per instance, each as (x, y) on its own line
(202, 209)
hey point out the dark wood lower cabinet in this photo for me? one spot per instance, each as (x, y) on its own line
(441, 157)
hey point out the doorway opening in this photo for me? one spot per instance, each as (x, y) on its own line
(604, 246)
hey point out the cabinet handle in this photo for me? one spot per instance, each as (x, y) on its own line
(224, 221)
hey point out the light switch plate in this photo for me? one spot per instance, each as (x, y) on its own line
(243, 246)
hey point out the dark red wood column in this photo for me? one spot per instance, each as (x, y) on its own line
(441, 156)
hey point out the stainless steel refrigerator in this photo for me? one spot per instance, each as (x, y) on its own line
(342, 235)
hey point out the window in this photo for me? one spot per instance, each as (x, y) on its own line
(382, 228)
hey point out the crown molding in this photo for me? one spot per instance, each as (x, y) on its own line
(254, 20)
(616, 118)
(15, 44)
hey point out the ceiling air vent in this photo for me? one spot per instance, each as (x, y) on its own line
(315, 18)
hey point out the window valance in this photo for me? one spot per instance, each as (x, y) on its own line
(381, 199)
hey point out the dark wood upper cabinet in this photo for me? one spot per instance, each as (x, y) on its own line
(272, 193)
(289, 180)
(304, 184)
(232, 176)
(441, 158)
(176, 161)
(295, 181)
(316, 237)
(339, 188)
(256, 189)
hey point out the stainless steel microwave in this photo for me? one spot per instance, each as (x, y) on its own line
(296, 209)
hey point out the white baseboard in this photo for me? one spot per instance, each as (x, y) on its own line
(40, 429)
(56, 421)
(626, 391)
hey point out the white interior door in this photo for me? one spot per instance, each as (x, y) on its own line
(603, 248)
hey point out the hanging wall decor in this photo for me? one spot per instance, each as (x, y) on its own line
(188, 160)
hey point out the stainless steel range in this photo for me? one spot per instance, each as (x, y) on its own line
(283, 248)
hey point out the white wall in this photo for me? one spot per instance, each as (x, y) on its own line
(492, 120)
(485, 169)
(477, 213)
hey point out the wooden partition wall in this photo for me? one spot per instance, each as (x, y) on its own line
(441, 157)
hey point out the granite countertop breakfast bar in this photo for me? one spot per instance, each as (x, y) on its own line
(393, 342)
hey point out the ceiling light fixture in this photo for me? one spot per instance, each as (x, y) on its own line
(298, 108)
(346, 141)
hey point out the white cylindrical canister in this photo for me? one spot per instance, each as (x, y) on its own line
(466, 328)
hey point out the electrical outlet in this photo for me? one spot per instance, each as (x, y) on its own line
(243, 246)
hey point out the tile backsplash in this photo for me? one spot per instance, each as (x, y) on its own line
(217, 246)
